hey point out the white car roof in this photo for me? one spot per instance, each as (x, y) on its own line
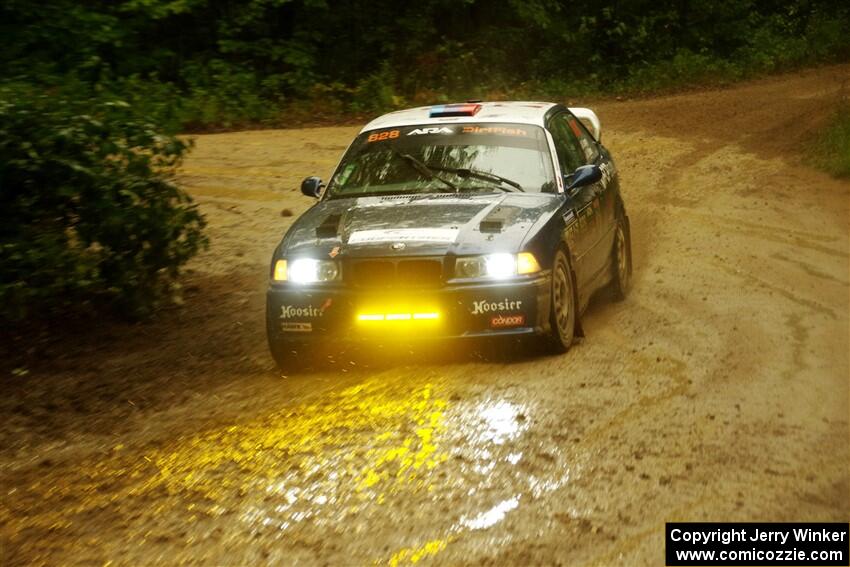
(518, 112)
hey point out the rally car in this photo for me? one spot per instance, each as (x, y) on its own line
(479, 219)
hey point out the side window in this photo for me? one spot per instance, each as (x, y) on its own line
(588, 144)
(570, 154)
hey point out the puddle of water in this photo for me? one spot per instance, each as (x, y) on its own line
(367, 454)
(487, 436)
(492, 516)
(501, 422)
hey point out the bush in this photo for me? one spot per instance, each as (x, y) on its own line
(772, 47)
(683, 69)
(224, 95)
(375, 93)
(88, 216)
(832, 150)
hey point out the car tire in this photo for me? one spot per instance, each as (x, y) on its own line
(562, 312)
(621, 259)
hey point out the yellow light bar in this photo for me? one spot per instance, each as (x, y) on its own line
(526, 263)
(426, 316)
(398, 316)
(280, 271)
(369, 317)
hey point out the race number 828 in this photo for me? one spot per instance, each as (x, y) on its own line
(380, 136)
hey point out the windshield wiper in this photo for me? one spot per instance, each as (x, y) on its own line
(478, 174)
(425, 170)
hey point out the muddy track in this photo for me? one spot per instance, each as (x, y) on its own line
(718, 391)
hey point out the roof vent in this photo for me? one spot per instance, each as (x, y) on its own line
(446, 110)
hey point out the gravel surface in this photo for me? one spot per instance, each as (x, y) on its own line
(718, 391)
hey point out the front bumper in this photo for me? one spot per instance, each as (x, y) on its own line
(305, 312)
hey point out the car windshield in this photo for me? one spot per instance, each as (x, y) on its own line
(435, 158)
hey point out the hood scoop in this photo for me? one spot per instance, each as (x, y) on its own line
(496, 219)
(329, 228)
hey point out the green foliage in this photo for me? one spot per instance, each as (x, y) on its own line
(223, 94)
(832, 149)
(684, 68)
(229, 63)
(375, 93)
(88, 216)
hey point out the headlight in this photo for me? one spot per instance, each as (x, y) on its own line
(306, 270)
(497, 266)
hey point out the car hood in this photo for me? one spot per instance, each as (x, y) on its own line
(411, 225)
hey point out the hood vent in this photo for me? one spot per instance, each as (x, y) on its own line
(329, 227)
(497, 219)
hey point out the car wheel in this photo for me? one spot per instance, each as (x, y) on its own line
(563, 304)
(621, 260)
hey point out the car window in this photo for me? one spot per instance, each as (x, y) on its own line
(379, 161)
(567, 146)
(586, 141)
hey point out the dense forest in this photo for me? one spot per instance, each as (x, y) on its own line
(219, 62)
(92, 94)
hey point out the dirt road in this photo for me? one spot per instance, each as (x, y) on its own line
(717, 392)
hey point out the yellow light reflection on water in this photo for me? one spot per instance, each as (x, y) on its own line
(414, 555)
(369, 451)
(307, 466)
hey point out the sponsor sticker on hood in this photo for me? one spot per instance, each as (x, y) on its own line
(404, 235)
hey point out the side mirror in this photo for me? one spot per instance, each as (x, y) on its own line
(312, 187)
(582, 176)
